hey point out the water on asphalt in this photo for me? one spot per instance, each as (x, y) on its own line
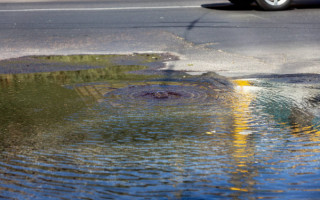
(105, 132)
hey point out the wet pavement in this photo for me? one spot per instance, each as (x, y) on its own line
(84, 126)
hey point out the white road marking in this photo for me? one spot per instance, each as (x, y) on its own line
(97, 9)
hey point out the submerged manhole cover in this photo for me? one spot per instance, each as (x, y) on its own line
(172, 93)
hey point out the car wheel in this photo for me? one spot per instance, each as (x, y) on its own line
(242, 3)
(273, 4)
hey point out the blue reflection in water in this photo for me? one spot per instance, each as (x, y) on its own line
(109, 141)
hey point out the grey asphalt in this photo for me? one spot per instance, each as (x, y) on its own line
(207, 35)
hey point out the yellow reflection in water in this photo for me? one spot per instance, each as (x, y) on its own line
(311, 131)
(241, 108)
(242, 154)
(238, 189)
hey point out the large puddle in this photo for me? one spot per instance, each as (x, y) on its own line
(102, 132)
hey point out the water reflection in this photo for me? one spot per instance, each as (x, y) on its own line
(33, 103)
(243, 149)
(90, 134)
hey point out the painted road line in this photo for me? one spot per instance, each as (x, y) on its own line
(97, 9)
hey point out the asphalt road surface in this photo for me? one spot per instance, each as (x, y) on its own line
(208, 35)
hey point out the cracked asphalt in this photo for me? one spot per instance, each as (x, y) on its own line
(206, 35)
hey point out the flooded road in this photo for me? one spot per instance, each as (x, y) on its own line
(106, 133)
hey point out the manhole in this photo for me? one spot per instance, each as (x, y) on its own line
(169, 93)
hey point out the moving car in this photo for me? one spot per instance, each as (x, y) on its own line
(265, 4)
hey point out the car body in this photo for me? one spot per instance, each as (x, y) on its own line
(265, 4)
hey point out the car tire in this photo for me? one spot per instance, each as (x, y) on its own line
(273, 4)
(242, 3)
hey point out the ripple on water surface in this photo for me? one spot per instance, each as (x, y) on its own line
(122, 139)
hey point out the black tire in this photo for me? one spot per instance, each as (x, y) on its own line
(269, 4)
(242, 3)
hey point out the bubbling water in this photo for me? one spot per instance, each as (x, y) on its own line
(169, 93)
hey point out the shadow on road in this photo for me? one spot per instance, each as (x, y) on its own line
(228, 7)
(302, 4)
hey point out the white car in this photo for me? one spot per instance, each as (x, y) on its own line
(265, 4)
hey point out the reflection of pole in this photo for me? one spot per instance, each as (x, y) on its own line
(242, 177)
